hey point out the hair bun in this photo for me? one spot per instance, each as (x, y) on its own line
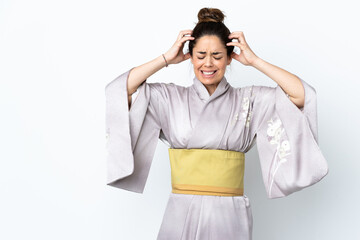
(210, 15)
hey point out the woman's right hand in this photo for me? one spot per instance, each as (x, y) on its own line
(175, 54)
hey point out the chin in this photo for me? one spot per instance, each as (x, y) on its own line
(209, 82)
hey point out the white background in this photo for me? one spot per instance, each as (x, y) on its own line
(56, 58)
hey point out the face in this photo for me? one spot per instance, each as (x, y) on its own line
(210, 60)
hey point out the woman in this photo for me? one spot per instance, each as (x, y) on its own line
(208, 127)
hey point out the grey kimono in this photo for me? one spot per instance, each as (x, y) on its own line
(230, 119)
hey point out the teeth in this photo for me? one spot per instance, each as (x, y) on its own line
(208, 73)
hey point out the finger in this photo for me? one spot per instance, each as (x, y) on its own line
(231, 35)
(187, 30)
(186, 38)
(237, 40)
(240, 36)
(236, 34)
(241, 44)
(236, 44)
(242, 39)
(181, 42)
(182, 36)
(184, 32)
(234, 38)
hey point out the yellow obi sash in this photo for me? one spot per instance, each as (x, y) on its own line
(207, 171)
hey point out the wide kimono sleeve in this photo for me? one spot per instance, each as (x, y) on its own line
(287, 140)
(132, 135)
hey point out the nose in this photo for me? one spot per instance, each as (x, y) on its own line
(208, 62)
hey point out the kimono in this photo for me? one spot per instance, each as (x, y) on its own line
(230, 119)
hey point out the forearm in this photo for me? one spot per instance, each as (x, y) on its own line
(140, 73)
(289, 82)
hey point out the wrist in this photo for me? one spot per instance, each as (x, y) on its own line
(165, 59)
(257, 62)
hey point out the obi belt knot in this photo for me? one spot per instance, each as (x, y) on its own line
(207, 171)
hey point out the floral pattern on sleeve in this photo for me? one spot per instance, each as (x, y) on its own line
(276, 135)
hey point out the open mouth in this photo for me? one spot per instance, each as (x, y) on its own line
(208, 73)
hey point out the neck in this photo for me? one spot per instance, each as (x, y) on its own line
(211, 88)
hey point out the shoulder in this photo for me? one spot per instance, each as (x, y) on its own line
(166, 90)
(246, 91)
(163, 86)
(166, 87)
(253, 92)
(261, 90)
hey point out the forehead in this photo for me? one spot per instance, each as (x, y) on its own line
(209, 43)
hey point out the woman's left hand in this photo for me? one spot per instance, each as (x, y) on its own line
(246, 56)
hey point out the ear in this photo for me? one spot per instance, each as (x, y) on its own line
(229, 60)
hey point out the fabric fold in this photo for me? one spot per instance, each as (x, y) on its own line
(287, 141)
(132, 135)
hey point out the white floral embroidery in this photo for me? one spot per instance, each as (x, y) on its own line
(236, 118)
(246, 111)
(275, 132)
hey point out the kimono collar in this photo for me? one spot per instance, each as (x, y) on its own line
(201, 90)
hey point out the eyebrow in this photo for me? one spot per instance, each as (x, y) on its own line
(214, 53)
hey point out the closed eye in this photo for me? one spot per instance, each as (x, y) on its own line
(204, 57)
